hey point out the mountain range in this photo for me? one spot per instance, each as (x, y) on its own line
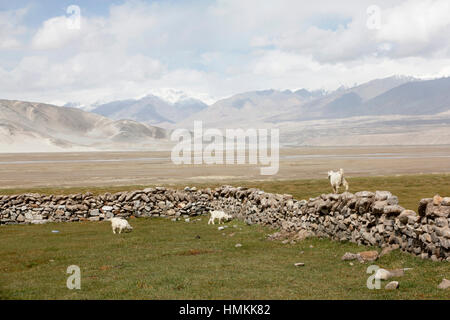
(38, 127)
(394, 110)
(151, 109)
(272, 106)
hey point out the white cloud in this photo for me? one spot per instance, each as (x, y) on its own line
(417, 28)
(54, 34)
(11, 28)
(277, 69)
(415, 21)
(223, 47)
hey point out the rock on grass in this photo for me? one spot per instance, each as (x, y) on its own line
(445, 284)
(392, 285)
(369, 255)
(361, 257)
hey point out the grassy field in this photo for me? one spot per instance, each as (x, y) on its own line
(162, 259)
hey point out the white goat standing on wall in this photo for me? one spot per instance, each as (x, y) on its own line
(216, 214)
(121, 225)
(337, 179)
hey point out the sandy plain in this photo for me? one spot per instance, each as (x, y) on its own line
(29, 170)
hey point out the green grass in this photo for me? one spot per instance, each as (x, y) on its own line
(162, 259)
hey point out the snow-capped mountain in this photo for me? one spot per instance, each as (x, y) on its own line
(152, 109)
(400, 110)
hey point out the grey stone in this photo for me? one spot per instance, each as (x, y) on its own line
(445, 284)
(382, 195)
(405, 214)
(392, 201)
(365, 194)
(94, 212)
(393, 210)
(349, 256)
(392, 285)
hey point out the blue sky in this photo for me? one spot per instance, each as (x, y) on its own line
(213, 49)
(43, 9)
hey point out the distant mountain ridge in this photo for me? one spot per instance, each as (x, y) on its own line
(274, 106)
(177, 109)
(28, 126)
(394, 110)
(151, 109)
(412, 98)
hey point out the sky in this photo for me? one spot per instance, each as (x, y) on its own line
(92, 51)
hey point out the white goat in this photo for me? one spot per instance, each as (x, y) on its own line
(216, 214)
(337, 179)
(121, 225)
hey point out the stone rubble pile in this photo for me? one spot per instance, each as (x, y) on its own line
(367, 218)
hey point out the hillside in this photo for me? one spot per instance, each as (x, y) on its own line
(32, 127)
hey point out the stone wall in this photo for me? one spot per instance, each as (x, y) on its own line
(364, 217)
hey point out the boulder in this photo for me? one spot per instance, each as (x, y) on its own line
(445, 284)
(378, 207)
(365, 194)
(382, 195)
(392, 285)
(368, 255)
(445, 201)
(94, 212)
(393, 209)
(392, 201)
(438, 211)
(423, 203)
(403, 217)
(349, 256)
(437, 199)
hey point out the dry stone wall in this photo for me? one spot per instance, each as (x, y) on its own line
(368, 218)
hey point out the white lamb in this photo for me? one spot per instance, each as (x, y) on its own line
(217, 214)
(121, 225)
(337, 179)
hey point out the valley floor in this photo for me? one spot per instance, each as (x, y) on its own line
(162, 259)
(59, 170)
